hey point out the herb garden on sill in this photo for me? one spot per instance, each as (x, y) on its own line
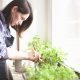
(52, 66)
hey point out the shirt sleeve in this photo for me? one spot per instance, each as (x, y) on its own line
(3, 48)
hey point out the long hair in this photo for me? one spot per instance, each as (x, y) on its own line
(24, 7)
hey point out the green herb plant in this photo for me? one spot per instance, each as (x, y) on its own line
(51, 68)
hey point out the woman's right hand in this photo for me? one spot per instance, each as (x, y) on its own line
(34, 56)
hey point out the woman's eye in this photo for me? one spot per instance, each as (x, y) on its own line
(22, 18)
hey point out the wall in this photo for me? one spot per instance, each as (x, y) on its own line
(41, 15)
(66, 29)
(0, 4)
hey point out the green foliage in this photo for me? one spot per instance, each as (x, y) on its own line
(51, 68)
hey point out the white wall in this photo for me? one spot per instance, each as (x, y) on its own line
(41, 17)
(0, 4)
(66, 29)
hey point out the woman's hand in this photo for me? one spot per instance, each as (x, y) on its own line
(34, 56)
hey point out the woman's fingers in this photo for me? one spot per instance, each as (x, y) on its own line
(38, 57)
(35, 56)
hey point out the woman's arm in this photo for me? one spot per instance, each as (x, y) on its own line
(19, 55)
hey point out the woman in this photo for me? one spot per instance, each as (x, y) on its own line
(17, 14)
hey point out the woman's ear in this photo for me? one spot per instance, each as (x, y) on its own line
(14, 9)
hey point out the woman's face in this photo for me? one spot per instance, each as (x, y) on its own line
(16, 17)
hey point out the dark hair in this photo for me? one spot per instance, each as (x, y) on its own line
(24, 7)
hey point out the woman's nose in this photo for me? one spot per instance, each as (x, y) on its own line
(20, 22)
